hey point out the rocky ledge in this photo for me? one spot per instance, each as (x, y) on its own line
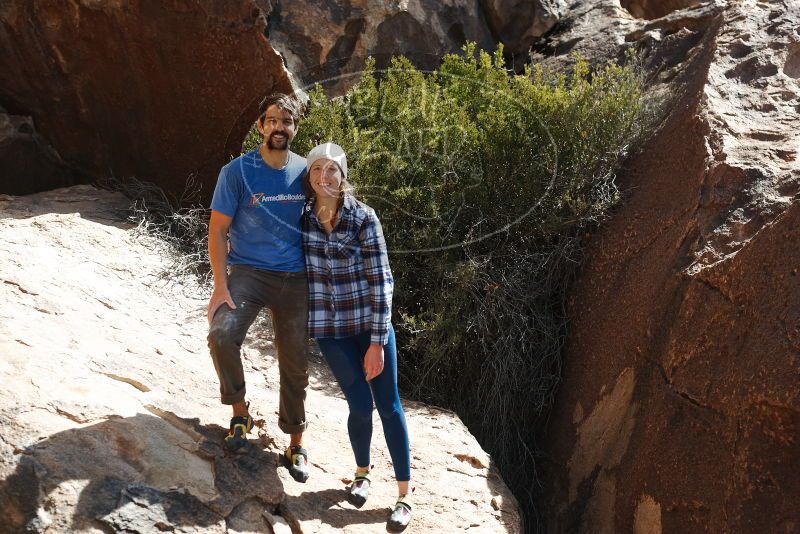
(109, 416)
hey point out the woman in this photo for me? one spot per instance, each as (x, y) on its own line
(350, 299)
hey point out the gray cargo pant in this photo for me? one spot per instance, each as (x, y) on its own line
(286, 296)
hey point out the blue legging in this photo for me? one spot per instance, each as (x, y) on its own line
(345, 357)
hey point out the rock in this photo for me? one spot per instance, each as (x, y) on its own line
(146, 89)
(519, 23)
(248, 518)
(653, 9)
(678, 409)
(277, 523)
(144, 509)
(602, 30)
(593, 29)
(497, 503)
(327, 42)
(110, 418)
(27, 162)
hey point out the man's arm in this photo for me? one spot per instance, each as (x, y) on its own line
(218, 257)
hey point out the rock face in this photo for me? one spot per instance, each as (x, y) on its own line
(328, 41)
(109, 412)
(519, 23)
(27, 161)
(653, 9)
(602, 30)
(146, 89)
(679, 409)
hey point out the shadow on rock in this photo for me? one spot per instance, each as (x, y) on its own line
(307, 507)
(137, 474)
(84, 201)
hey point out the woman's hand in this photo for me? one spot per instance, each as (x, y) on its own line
(373, 361)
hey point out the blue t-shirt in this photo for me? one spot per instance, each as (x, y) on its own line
(266, 205)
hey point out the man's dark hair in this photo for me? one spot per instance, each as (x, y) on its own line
(283, 101)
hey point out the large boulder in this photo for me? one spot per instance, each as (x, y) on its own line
(679, 409)
(159, 91)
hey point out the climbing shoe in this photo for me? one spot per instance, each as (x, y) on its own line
(237, 436)
(296, 459)
(358, 491)
(401, 515)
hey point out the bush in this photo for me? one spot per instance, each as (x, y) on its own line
(484, 182)
(179, 224)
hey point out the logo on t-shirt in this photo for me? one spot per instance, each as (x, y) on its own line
(259, 199)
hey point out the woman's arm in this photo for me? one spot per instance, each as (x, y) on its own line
(379, 276)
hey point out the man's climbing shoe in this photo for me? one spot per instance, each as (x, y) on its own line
(358, 491)
(237, 436)
(296, 459)
(401, 515)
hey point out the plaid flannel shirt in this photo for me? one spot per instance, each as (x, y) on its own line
(350, 283)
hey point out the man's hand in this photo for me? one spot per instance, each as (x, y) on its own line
(218, 227)
(221, 296)
(373, 361)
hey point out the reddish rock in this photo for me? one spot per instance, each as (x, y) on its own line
(679, 409)
(138, 88)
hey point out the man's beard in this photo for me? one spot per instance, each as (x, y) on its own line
(273, 144)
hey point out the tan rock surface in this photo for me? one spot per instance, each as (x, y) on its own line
(679, 409)
(109, 415)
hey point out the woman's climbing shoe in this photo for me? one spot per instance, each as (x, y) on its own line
(296, 459)
(237, 437)
(358, 491)
(401, 515)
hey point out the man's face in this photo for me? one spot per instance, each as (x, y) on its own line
(277, 127)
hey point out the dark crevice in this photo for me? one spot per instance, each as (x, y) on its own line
(548, 45)
(282, 510)
(716, 290)
(683, 394)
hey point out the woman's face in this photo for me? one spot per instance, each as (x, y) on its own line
(325, 177)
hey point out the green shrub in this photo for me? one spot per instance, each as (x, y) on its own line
(484, 182)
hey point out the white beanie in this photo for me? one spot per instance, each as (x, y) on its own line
(329, 151)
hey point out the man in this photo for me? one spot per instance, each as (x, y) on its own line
(257, 204)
